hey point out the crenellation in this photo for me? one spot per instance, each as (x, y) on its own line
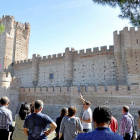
(82, 52)
(103, 48)
(76, 53)
(111, 48)
(88, 51)
(96, 50)
(49, 57)
(59, 55)
(54, 56)
(132, 29)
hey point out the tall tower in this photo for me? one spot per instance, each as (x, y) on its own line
(126, 51)
(14, 42)
(69, 59)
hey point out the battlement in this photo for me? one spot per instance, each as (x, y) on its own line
(23, 62)
(7, 17)
(53, 57)
(99, 90)
(126, 30)
(95, 50)
(22, 26)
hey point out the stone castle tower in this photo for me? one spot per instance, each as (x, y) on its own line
(126, 54)
(14, 43)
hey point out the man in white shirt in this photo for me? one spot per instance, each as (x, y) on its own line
(87, 115)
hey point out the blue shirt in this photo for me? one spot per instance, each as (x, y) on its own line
(37, 124)
(5, 117)
(102, 133)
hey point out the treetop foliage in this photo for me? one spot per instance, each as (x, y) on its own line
(130, 9)
(2, 28)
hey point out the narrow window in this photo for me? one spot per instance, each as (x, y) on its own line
(137, 41)
(51, 76)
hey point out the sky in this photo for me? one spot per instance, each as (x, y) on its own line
(58, 24)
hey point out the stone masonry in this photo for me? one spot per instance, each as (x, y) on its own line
(104, 76)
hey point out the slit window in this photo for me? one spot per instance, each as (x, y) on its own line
(51, 76)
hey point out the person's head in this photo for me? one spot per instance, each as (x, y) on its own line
(64, 112)
(71, 111)
(24, 111)
(125, 109)
(32, 107)
(5, 101)
(38, 106)
(139, 119)
(101, 116)
(86, 105)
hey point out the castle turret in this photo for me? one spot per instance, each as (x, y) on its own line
(13, 43)
(5, 80)
(127, 50)
(69, 58)
(35, 68)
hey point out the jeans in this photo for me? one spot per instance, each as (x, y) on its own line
(128, 136)
(4, 134)
(87, 130)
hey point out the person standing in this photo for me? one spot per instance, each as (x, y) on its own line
(18, 133)
(64, 112)
(5, 118)
(113, 124)
(138, 138)
(35, 125)
(101, 119)
(127, 123)
(70, 125)
(86, 118)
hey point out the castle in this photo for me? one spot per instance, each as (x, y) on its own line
(104, 77)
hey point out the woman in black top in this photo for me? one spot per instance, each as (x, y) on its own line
(64, 112)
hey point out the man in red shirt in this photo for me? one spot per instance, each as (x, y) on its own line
(113, 124)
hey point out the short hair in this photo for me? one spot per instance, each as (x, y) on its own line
(87, 103)
(71, 111)
(24, 111)
(139, 112)
(4, 100)
(126, 108)
(38, 104)
(102, 114)
(64, 111)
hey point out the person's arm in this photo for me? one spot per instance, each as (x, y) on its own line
(60, 135)
(81, 97)
(53, 126)
(86, 121)
(80, 127)
(62, 127)
(10, 118)
(25, 131)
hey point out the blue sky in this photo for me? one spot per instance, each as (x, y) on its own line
(57, 24)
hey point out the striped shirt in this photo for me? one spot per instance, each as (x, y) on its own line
(126, 125)
(5, 117)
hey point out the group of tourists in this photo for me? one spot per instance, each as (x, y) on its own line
(31, 124)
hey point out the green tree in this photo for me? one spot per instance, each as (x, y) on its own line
(130, 9)
(2, 28)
